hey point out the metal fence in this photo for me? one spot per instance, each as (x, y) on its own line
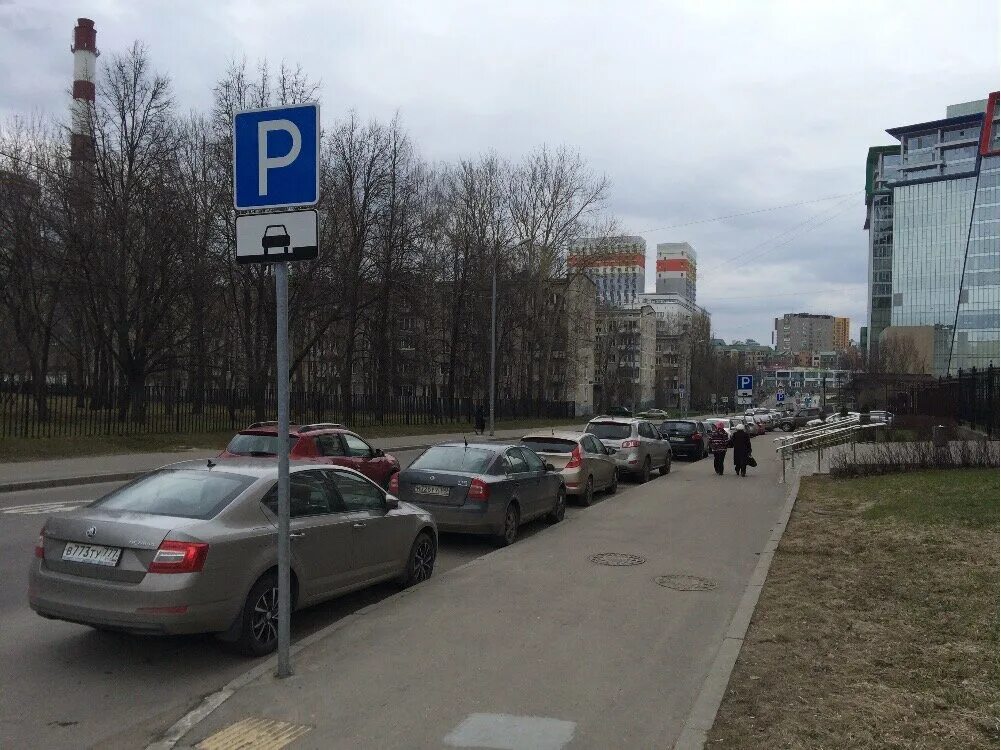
(70, 412)
(970, 398)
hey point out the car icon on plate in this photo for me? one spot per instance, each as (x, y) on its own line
(276, 235)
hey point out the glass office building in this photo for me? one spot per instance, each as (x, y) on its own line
(932, 216)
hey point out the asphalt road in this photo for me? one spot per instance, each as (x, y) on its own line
(68, 686)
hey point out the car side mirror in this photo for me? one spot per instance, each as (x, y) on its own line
(392, 501)
(550, 467)
(608, 451)
(379, 453)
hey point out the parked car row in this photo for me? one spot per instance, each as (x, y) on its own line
(191, 547)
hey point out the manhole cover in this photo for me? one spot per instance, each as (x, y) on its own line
(686, 583)
(616, 559)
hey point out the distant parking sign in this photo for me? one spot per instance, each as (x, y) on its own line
(276, 157)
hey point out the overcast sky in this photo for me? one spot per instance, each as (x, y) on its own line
(695, 110)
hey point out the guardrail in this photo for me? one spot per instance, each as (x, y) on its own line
(822, 436)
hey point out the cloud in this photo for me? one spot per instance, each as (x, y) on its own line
(693, 109)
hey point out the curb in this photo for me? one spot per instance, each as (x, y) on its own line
(45, 484)
(700, 719)
(169, 738)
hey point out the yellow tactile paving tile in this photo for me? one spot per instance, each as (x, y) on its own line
(254, 732)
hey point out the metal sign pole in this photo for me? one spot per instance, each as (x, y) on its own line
(493, 346)
(284, 587)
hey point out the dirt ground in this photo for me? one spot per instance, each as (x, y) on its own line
(878, 624)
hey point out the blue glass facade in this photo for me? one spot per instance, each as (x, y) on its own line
(932, 216)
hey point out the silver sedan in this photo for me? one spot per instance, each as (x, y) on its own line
(192, 548)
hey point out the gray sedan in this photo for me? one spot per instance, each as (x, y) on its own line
(483, 488)
(192, 548)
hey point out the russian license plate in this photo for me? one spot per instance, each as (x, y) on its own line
(432, 489)
(677, 440)
(92, 554)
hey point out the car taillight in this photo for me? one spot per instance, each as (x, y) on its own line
(575, 459)
(394, 484)
(478, 490)
(179, 557)
(630, 443)
(40, 545)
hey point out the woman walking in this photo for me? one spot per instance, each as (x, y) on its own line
(741, 450)
(719, 441)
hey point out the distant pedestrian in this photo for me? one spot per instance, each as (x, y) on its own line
(480, 420)
(741, 442)
(719, 441)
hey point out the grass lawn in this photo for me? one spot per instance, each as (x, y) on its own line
(878, 624)
(27, 449)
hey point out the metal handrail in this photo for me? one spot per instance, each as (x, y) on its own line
(842, 433)
(817, 429)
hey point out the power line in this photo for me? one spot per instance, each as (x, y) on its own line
(748, 213)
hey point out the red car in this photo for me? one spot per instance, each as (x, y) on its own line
(324, 443)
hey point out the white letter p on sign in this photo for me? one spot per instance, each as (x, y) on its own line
(264, 163)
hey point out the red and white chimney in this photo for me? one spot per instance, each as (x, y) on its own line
(84, 70)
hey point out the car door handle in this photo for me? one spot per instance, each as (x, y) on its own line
(296, 534)
(358, 525)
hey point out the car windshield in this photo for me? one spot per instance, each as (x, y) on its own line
(256, 445)
(177, 492)
(610, 430)
(549, 445)
(678, 428)
(455, 458)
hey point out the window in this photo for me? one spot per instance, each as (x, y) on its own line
(646, 430)
(310, 494)
(357, 447)
(257, 445)
(358, 493)
(549, 445)
(515, 461)
(610, 430)
(534, 462)
(329, 445)
(591, 445)
(898, 299)
(454, 458)
(184, 493)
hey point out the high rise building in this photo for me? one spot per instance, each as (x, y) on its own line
(932, 216)
(617, 266)
(842, 336)
(803, 332)
(676, 266)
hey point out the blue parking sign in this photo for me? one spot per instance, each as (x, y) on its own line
(745, 382)
(276, 157)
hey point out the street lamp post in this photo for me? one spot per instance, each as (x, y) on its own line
(493, 333)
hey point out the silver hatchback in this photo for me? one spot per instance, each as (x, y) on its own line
(192, 548)
(639, 447)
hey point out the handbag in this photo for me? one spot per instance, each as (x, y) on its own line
(751, 462)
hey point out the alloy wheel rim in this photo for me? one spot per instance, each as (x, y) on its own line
(264, 622)
(561, 504)
(589, 492)
(423, 561)
(511, 525)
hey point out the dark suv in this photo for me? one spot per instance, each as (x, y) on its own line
(687, 437)
(799, 418)
(325, 442)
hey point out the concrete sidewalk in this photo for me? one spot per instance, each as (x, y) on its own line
(62, 472)
(535, 645)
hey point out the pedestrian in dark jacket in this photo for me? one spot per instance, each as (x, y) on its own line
(479, 420)
(719, 441)
(741, 450)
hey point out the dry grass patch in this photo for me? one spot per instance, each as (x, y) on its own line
(878, 625)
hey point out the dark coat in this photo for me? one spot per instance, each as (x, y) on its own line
(479, 419)
(741, 447)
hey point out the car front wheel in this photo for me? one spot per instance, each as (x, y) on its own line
(420, 564)
(560, 508)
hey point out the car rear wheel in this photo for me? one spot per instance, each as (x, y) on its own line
(644, 475)
(787, 427)
(588, 497)
(259, 619)
(509, 532)
(560, 509)
(420, 564)
(614, 486)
